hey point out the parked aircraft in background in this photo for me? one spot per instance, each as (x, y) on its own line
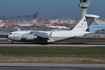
(53, 36)
(55, 27)
(2, 24)
(25, 24)
(28, 24)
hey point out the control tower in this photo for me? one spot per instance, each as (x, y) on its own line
(84, 4)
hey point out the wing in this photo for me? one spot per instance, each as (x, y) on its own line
(40, 34)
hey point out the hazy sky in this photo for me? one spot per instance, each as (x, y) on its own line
(49, 8)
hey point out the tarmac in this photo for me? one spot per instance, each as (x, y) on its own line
(50, 66)
(18, 44)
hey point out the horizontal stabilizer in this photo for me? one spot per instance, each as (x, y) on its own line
(92, 16)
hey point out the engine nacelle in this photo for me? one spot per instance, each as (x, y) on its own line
(28, 36)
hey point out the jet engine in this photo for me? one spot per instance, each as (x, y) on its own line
(28, 36)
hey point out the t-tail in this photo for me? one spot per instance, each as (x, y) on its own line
(85, 22)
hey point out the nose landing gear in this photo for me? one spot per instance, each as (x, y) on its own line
(12, 42)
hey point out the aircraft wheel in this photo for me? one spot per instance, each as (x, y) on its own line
(12, 42)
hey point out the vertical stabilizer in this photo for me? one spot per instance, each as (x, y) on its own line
(2, 24)
(85, 22)
(35, 22)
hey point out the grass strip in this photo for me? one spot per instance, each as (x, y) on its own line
(93, 52)
(53, 54)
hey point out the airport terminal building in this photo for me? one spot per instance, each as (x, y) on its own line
(98, 28)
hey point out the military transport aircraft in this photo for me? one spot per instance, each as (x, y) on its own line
(53, 36)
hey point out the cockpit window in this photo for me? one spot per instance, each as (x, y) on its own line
(31, 32)
(10, 33)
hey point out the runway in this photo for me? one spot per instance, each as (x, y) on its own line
(50, 66)
(53, 44)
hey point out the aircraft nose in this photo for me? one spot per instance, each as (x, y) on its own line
(7, 36)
